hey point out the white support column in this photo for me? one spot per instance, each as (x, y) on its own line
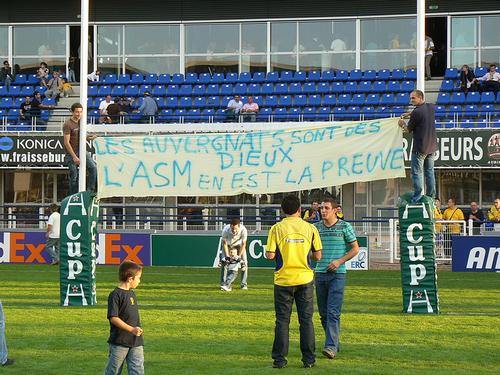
(421, 45)
(84, 56)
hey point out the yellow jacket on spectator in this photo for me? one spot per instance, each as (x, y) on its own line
(438, 216)
(453, 214)
(494, 213)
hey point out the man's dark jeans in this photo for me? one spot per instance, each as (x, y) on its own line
(283, 303)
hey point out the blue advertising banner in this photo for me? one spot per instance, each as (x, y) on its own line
(476, 254)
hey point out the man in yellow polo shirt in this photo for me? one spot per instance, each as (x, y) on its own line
(292, 243)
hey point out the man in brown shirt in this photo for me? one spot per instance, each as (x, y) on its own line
(71, 137)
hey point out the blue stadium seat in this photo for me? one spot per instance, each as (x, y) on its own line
(487, 97)
(286, 76)
(32, 79)
(90, 103)
(177, 79)
(49, 101)
(6, 102)
(443, 98)
(293, 114)
(191, 78)
(137, 103)
(407, 86)
(369, 75)
(259, 100)
(309, 88)
(323, 88)
(185, 102)
(440, 111)
(20, 79)
(160, 101)
(178, 115)
(300, 76)
(358, 99)
(193, 115)
(402, 99)
(397, 74)
(14, 90)
(281, 88)
(123, 79)
(344, 100)
(199, 102)
(164, 79)
(384, 75)
(309, 114)
(447, 85)
(454, 110)
(364, 86)
(151, 79)
(314, 75)
(471, 110)
(353, 112)
(207, 115)
(159, 90)
(172, 90)
(394, 86)
(342, 75)
(368, 112)
(264, 114)
(498, 97)
(314, 100)
(328, 75)
(350, 87)
(225, 100)
(259, 77)
(199, 90)
(285, 100)
(136, 79)
(355, 75)
(411, 74)
(323, 114)
(231, 78)
(480, 71)
(245, 77)
(240, 89)
(273, 77)
(382, 112)
(295, 88)
(451, 73)
(105, 90)
(213, 89)
(271, 101)
(185, 90)
(397, 111)
(110, 79)
(487, 110)
(171, 102)
(379, 87)
(300, 100)
(27, 91)
(165, 115)
(330, 100)
(226, 89)
(204, 78)
(457, 98)
(218, 78)
(213, 102)
(372, 99)
(339, 113)
(337, 87)
(267, 89)
(387, 100)
(254, 89)
(145, 88)
(93, 116)
(92, 90)
(118, 90)
(18, 101)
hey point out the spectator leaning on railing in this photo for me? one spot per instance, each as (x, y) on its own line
(476, 215)
(494, 212)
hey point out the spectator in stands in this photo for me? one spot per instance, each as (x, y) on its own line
(37, 106)
(429, 51)
(43, 73)
(494, 212)
(114, 111)
(467, 79)
(422, 125)
(94, 76)
(25, 109)
(234, 237)
(148, 108)
(453, 213)
(394, 43)
(67, 88)
(313, 215)
(476, 215)
(491, 80)
(250, 110)
(71, 139)
(54, 86)
(4, 357)
(52, 234)
(438, 215)
(125, 106)
(71, 70)
(233, 109)
(103, 110)
(6, 77)
(340, 213)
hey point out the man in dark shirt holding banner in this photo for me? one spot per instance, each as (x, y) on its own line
(422, 125)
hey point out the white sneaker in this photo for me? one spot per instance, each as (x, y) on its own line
(226, 288)
(244, 287)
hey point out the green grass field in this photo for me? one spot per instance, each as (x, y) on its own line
(190, 327)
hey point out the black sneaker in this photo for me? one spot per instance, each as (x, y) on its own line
(279, 364)
(308, 365)
(328, 353)
(8, 362)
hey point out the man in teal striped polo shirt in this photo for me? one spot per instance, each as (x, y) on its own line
(339, 245)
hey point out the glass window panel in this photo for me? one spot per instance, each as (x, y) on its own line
(4, 41)
(212, 38)
(327, 35)
(388, 60)
(283, 62)
(490, 30)
(461, 57)
(212, 64)
(152, 39)
(463, 32)
(361, 193)
(490, 56)
(29, 65)
(253, 37)
(359, 213)
(384, 192)
(491, 188)
(253, 63)
(39, 41)
(463, 186)
(109, 65)
(109, 40)
(156, 65)
(283, 37)
(390, 33)
(325, 61)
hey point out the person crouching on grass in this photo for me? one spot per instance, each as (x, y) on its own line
(125, 335)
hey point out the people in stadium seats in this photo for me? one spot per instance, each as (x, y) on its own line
(429, 48)
(249, 110)
(72, 69)
(25, 109)
(233, 109)
(476, 215)
(4, 355)
(71, 140)
(148, 108)
(54, 86)
(313, 215)
(339, 246)
(467, 79)
(6, 77)
(43, 73)
(103, 110)
(494, 211)
(94, 76)
(453, 213)
(490, 81)
(67, 88)
(292, 243)
(37, 106)
(422, 126)
(234, 237)
(114, 111)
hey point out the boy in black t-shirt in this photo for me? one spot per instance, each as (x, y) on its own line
(125, 335)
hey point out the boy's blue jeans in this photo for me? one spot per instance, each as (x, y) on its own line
(119, 354)
(3, 344)
(330, 295)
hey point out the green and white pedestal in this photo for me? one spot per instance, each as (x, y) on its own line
(417, 253)
(79, 214)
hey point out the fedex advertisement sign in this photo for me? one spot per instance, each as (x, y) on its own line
(112, 248)
(476, 254)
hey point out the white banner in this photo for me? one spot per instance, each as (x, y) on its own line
(256, 162)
